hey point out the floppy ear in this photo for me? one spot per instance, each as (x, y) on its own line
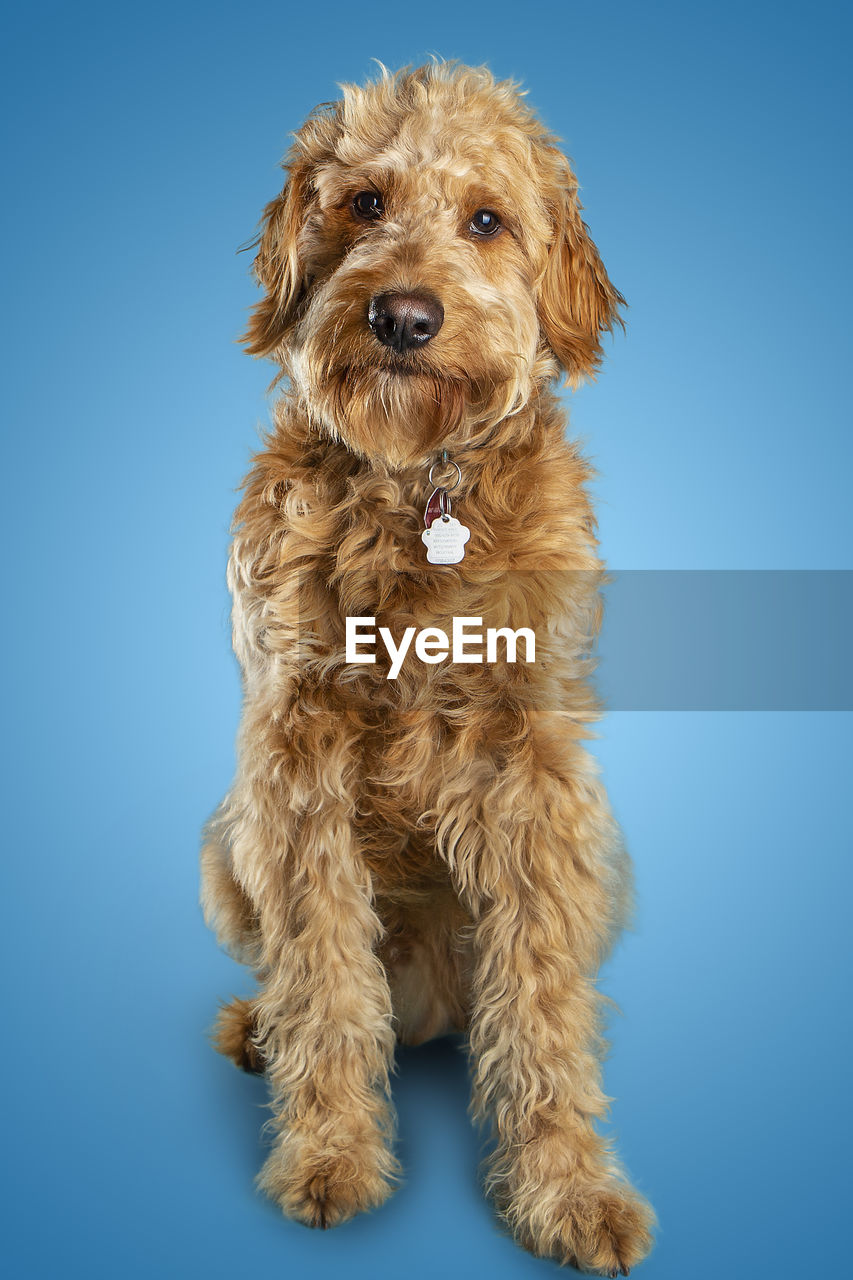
(277, 266)
(577, 302)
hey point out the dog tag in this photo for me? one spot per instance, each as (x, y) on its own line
(437, 506)
(445, 540)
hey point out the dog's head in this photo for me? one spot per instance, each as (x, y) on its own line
(426, 263)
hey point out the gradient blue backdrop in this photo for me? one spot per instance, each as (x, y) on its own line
(142, 142)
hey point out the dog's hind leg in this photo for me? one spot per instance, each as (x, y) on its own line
(234, 1035)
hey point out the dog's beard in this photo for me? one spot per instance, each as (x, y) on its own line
(402, 412)
(398, 417)
(402, 416)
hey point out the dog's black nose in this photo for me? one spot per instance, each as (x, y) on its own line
(405, 320)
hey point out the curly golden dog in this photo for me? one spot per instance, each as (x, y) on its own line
(416, 840)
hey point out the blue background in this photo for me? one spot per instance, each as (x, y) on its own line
(142, 142)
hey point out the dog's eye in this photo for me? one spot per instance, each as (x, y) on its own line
(368, 204)
(485, 223)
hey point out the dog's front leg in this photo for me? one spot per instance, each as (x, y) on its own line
(540, 865)
(323, 1014)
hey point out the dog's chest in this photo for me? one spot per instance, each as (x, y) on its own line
(391, 529)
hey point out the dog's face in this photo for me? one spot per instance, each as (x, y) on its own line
(426, 264)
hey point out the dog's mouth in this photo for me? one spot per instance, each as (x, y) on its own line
(407, 370)
(370, 376)
(417, 378)
(405, 365)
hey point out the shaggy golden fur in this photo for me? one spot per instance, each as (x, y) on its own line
(397, 859)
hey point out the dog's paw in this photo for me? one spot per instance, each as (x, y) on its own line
(602, 1229)
(323, 1189)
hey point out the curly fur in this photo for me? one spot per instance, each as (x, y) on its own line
(401, 859)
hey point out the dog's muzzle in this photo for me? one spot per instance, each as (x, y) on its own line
(403, 321)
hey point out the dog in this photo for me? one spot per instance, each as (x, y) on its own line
(405, 856)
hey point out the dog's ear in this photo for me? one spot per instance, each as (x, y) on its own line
(577, 302)
(277, 266)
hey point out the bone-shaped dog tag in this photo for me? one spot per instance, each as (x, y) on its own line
(445, 540)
